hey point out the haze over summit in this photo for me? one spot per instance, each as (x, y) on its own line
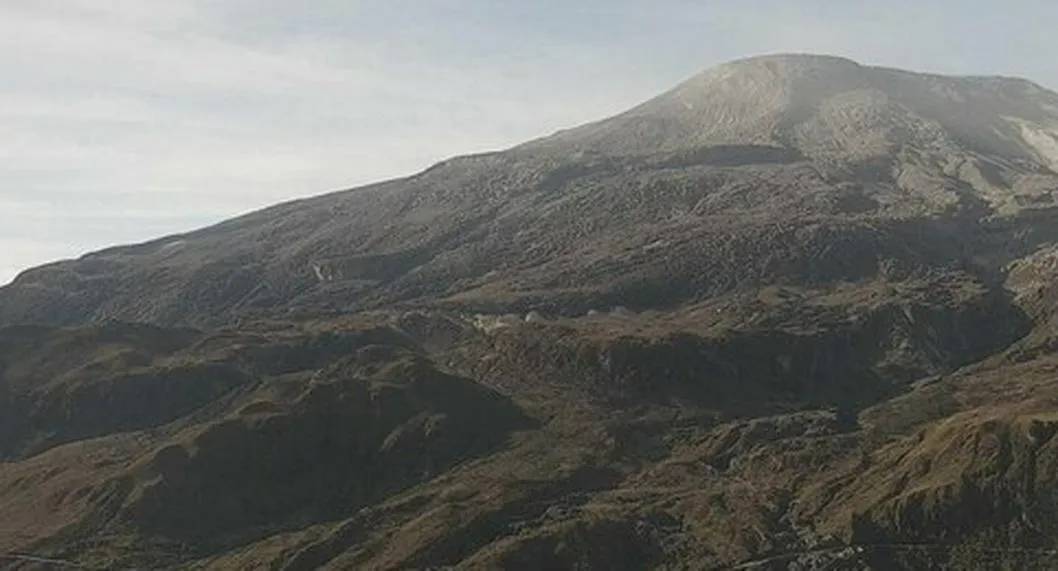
(130, 121)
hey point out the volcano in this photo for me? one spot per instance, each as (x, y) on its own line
(797, 311)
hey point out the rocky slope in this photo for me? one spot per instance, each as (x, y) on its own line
(795, 313)
(777, 170)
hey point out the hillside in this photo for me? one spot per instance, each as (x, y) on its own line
(797, 311)
(786, 169)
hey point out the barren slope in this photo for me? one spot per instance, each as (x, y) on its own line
(783, 169)
(796, 313)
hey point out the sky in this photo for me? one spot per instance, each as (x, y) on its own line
(125, 120)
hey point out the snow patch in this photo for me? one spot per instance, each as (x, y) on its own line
(1042, 139)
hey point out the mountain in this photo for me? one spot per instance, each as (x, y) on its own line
(786, 169)
(797, 311)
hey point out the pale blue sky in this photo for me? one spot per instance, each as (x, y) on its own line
(126, 119)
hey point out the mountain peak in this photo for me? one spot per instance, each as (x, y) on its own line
(785, 272)
(763, 138)
(788, 61)
(834, 110)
